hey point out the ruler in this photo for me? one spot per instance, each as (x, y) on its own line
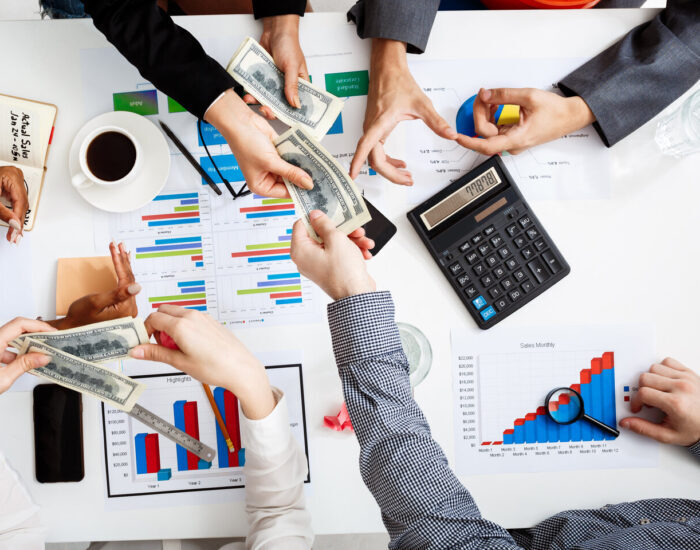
(166, 429)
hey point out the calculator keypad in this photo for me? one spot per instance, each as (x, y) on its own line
(498, 266)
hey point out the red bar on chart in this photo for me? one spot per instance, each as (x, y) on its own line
(530, 416)
(596, 365)
(152, 454)
(170, 216)
(260, 253)
(192, 428)
(182, 303)
(286, 206)
(232, 426)
(285, 295)
(608, 360)
(564, 399)
(497, 443)
(586, 376)
(519, 421)
(540, 411)
(576, 387)
(197, 258)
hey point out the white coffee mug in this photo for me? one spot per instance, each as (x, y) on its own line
(85, 178)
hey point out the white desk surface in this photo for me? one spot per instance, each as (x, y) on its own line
(633, 258)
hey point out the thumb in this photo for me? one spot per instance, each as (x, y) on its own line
(502, 96)
(160, 354)
(646, 428)
(322, 224)
(436, 123)
(24, 363)
(292, 173)
(291, 85)
(303, 246)
(116, 296)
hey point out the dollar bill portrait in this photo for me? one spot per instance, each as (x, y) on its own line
(271, 80)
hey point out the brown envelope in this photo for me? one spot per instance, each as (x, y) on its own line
(77, 277)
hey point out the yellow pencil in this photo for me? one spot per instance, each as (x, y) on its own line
(219, 419)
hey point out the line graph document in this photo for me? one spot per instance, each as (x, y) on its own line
(576, 166)
(500, 382)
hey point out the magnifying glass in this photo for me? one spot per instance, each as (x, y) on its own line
(565, 406)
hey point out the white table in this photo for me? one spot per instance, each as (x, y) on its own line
(644, 236)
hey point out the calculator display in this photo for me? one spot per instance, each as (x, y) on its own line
(452, 204)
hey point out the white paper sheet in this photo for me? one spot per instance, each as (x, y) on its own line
(502, 377)
(574, 167)
(128, 489)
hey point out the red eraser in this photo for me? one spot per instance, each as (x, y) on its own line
(167, 341)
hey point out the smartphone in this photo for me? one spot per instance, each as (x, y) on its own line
(58, 434)
(379, 228)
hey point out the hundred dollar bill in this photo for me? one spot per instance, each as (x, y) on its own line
(333, 193)
(253, 68)
(72, 372)
(98, 342)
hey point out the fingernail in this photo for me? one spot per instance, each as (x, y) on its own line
(452, 133)
(42, 361)
(15, 224)
(315, 214)
(485, 94)
(113, 243)
(309, 183)
(134, 289)
(12, 235)
(625, 423)
(136, 353)
(297, 103)
(18, 239)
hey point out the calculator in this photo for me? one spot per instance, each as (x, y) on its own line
(488, 243)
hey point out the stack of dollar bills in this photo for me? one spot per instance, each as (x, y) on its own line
(334, 192)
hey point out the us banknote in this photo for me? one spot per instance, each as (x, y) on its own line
(98, 342)
(333, 193)
(253, 68)
(85, 377)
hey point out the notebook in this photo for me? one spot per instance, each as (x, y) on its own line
(26, 130)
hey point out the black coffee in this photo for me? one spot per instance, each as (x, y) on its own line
(111, 156)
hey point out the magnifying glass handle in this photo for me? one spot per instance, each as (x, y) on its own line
(604, 427)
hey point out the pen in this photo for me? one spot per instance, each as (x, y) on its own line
(189, 157)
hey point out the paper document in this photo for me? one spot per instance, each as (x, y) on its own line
(500, 382)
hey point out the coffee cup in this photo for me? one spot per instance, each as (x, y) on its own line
(109, 156)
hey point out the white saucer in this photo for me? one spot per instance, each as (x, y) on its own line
(154, 171)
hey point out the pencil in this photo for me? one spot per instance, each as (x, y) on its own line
(217, 414)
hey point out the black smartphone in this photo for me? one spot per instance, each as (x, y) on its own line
(58, 434)
(379, 228)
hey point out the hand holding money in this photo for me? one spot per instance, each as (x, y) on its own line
(16, 366)
(334, 193)
(254, 69)
(251, 139)
(336, 265)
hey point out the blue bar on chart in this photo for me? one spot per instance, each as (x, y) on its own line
(166, 248)
(140, 447)
(174, 209)
(597, 389)
(227, 165)
(268, 208)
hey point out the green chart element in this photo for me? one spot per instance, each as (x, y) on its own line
(142, 102)
(348, 84)
(174, 106)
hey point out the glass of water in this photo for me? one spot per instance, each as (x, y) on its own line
(418, 352)
(678, 134)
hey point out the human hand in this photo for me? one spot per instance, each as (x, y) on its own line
(675, 389)
(17, 366)
(105, 306)
(251, 139)
(393, 96)
(337, 265)
(13, 189)
(544, 116)
(280, 38)
(211, 354)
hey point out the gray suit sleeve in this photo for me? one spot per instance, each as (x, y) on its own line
(407, 21)
(635, 79)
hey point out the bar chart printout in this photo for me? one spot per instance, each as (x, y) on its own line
(596, 387)
(143, 464)
(500, 383)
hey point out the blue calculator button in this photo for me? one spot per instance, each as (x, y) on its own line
(488, 313)
(479, 302)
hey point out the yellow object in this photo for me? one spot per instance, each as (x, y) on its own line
(509, 115)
